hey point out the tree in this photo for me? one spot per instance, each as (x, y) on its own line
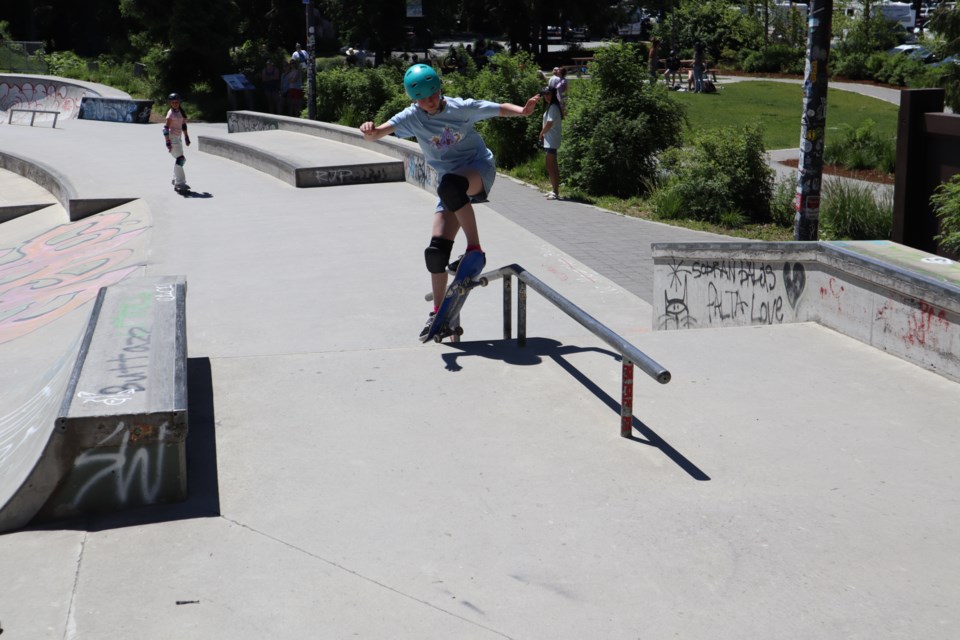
(187, 43)
(618, 125)
(946, 23)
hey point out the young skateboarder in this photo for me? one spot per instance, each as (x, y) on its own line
(176, 124)
(444, 128)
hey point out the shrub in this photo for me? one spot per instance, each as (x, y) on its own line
(778, 58)
(852, 65)
(782, 211)
(898, 68)
(351, 95)
(509, 78)
(724, 171)
(66, 64)
(862, 148)
(617, 125)
(946, 204)
(855, 211)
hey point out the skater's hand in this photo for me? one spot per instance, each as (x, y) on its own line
(187, 138)
(531, 103)
(169, 146)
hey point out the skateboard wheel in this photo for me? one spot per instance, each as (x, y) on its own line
(438, 338)
(458, 331)
(483, 282)
(428, 297)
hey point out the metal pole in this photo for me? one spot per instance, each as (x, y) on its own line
(626, 400)
(521, 312)
(311, 64)
(507, 311)
(813, 122)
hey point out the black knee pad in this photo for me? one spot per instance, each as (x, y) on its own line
(453, 191)
(437, 255)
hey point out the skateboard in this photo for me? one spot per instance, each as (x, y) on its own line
(446, 322)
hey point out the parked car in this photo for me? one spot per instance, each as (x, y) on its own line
(916, 51)
(578, 34)
(947, 60)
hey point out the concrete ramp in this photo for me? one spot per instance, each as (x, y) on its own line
(49, 275)
(49, 93)
(78, 205)
(303, 160)
(19, 196)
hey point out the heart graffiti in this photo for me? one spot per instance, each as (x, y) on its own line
(794, 280)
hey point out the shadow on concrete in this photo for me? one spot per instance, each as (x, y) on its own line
(190, 193)
(203, 487)
(536, 349)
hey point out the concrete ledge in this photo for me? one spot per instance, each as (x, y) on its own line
(59, 185)
(900, 300)
(304, 161)
(415, 169)
(271, 164)
(123, 420)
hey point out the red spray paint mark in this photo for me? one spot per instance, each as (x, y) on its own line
(923, 322)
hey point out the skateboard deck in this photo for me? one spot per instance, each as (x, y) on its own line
(447, 320)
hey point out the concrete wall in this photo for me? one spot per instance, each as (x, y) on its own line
(868, 291)
(115, 110)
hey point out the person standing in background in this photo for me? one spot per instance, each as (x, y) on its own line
(551, 134)
(294, 88)
(270, 80)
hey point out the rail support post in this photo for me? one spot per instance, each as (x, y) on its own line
(507, 307)
(626, 400)
(521, 312)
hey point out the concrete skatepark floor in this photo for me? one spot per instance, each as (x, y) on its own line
(789, 482)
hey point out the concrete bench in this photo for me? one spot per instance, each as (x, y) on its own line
(123, 420)
(33, 115)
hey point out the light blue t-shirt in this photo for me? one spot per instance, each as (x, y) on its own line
(448, 139)
(551, 140)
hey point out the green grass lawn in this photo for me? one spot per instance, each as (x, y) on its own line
(777, 106)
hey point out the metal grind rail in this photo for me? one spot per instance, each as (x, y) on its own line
(631, 355)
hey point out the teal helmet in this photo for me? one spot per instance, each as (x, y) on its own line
(421, 81)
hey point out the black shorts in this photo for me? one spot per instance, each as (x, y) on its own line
(550, 152)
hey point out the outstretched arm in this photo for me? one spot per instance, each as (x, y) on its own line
(371, 132)
(507, 109)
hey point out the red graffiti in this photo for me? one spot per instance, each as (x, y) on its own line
(563, 277)
(50, 275)
(831, 290)
(922, 323)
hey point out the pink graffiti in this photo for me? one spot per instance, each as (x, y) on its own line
(48, 97)
(50, 275)
(924, 321)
